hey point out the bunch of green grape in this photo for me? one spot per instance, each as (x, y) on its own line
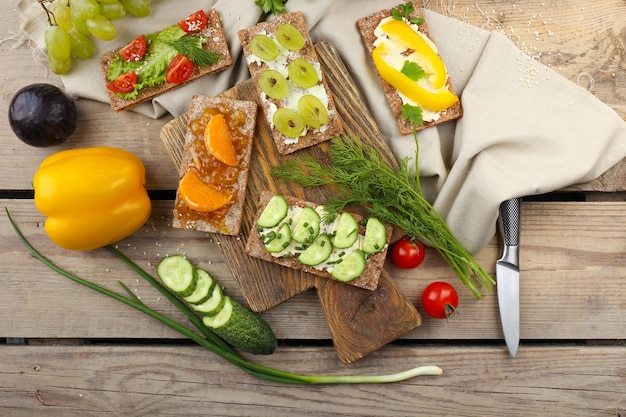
(74, 22)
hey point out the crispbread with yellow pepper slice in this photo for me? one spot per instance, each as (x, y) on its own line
(367, 27)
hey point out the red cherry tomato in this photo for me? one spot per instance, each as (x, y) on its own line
(135, 50)
(194, 23)
(125, 83)
(179, 70)
(406, 253)
(440, 300)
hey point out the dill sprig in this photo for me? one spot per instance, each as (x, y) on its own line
(394, 196)
(191, 47)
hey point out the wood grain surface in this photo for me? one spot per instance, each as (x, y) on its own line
(360, 321)
(84, 355)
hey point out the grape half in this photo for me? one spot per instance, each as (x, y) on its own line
(289, 37)
(264, 47)
(302, 73)
(273, 84)
(313, 111)
(288, 122)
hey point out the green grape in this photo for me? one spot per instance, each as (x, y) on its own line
(263, 47)
(302, 73)
(81, 44)
(289, 37)
(79, 22)
(312, 111)
(288, 122)
(61, 14)
(107, 2)
(57, 42)
(273, 84)
(87, 9)
(138, 8)
(59, 67)
(101, 28)
(112, 11)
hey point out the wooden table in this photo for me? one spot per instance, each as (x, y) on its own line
(67, 351)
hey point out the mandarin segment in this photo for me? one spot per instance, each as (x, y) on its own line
(200, 196)
(219, 141)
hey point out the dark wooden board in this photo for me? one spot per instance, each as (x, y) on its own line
(360, 321)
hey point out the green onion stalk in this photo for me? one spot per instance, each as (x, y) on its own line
(394, 196)
(207, 338)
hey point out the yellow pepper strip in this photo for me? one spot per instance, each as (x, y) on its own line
(437, 100)
(92, 196)
(402, 33)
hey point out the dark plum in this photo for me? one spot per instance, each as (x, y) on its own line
(42, 115)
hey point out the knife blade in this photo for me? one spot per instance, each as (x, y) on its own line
(508, 272)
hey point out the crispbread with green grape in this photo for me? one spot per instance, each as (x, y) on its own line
(293, 91)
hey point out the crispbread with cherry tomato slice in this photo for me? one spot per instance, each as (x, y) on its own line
(180, 68)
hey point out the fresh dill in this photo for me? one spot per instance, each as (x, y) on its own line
(394, 196)
(191, 47)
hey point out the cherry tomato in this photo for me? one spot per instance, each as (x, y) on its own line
(440, 300)
(194, 23)
(125, 83)
(135, 50)
(179, 70)
(407, 253)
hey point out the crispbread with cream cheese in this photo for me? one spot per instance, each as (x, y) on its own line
(367, 27)
(215, 42)
(256, 66)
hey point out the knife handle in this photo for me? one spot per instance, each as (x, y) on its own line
(510, 217)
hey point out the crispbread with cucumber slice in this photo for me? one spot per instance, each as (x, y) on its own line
(367, 260)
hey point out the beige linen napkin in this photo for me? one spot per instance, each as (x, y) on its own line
(526, 130)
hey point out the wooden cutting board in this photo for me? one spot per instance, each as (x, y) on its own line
(360, 321)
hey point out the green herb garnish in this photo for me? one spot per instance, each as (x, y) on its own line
(404, 11)
(271, 6)
(393, 196)
(413, 70)
(208, 339)
(413, 114)
(191, 47)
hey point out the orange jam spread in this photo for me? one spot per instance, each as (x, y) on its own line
(213, 172)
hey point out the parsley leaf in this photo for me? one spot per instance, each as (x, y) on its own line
(404, 11)
(413, 114)
(413, 70)
(272, 6)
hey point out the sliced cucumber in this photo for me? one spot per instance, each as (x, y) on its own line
(237, 325)
(346, 231)
(375, 236)
(274, 212)
(243, 328)
(350, 268)
(211, 305)
(308, 226)
(317, 252)
(221, 317)
(178, 274)
(278, 241)
(204, 286)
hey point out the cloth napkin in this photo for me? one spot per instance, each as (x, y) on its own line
(526, 130)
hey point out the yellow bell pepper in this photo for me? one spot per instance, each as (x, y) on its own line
(91, 196)
(403, 34)
(437, 100)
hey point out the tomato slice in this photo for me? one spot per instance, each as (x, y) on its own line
(135, 50)
(179, 70)
(125, 83)
(194, 23)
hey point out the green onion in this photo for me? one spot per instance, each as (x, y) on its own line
(209, 340)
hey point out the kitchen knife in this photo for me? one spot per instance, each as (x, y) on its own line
(507, 272)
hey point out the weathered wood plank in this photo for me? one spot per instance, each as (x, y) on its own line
(85, 381)
(567, 248)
